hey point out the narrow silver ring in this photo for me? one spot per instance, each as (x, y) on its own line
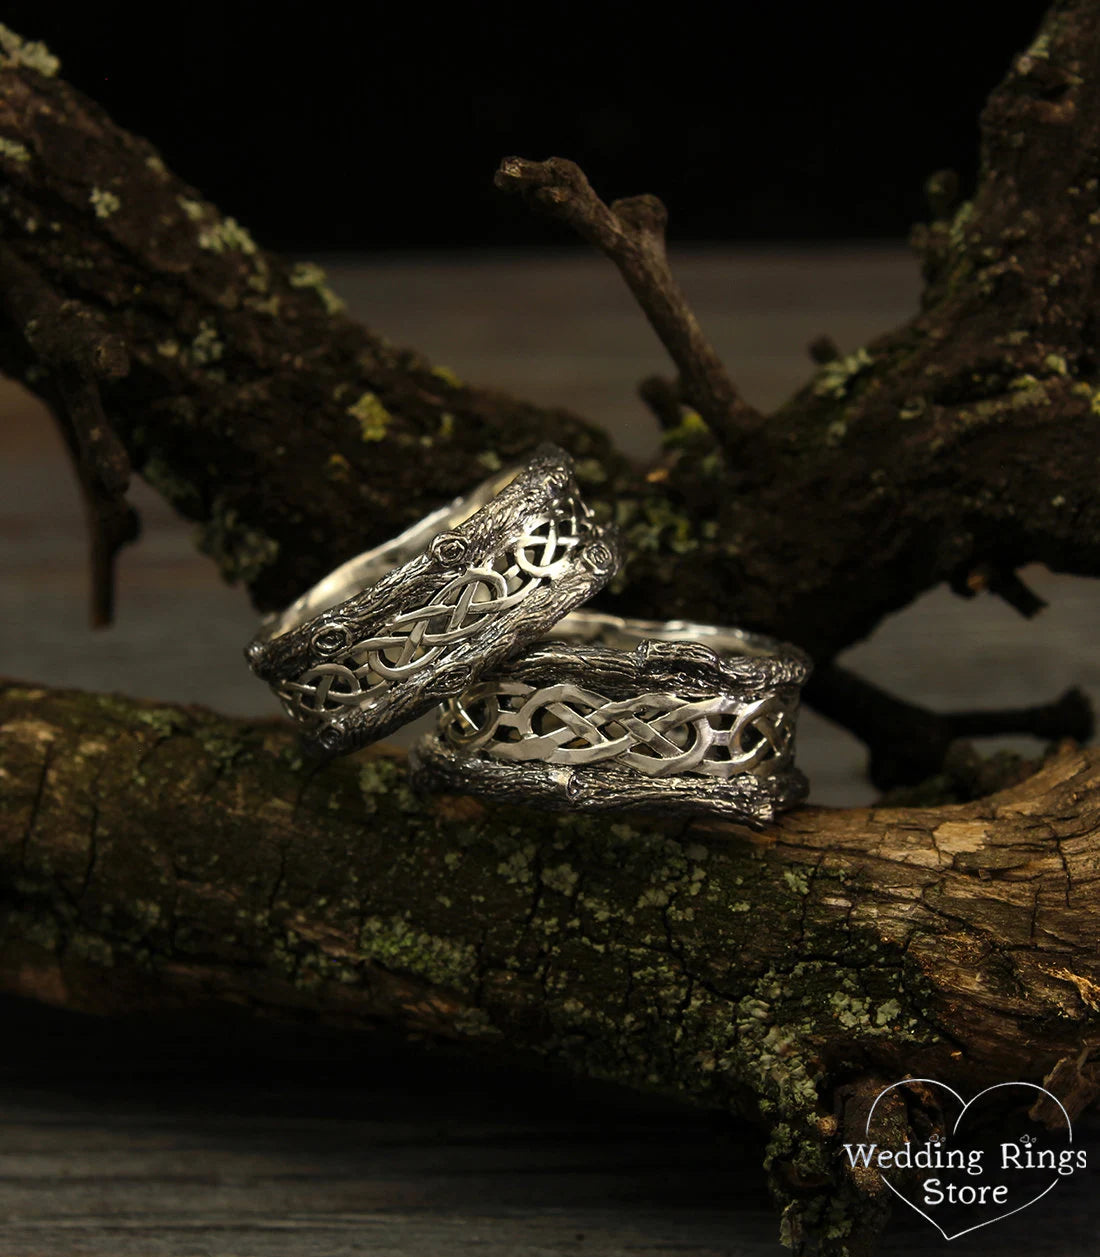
(681, 718)
(399, 628)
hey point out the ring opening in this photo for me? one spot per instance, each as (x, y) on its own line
(368, 568)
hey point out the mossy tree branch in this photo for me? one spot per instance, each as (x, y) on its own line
(960, 442)
(954, 447)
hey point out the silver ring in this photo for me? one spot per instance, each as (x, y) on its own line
(417, 620)
(670, 716)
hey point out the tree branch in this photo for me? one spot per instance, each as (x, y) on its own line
(155, 856)
(963, 439)
(232, 378)
(75, 352)
(909, 743)
(631, 232)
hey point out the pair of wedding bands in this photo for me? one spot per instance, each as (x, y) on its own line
(474, 609)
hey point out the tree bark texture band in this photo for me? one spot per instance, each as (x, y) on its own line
(693, 719)
(400, 628)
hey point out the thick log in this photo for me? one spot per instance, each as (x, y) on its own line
(154, 856)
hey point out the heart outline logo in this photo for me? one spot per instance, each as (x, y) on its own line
(966, 1104)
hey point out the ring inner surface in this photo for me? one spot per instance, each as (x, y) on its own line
(368, 568)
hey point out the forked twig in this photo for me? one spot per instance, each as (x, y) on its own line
(631, 232)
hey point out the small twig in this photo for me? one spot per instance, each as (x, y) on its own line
(68, 342)
(103, 470)
(908, 744)
(631, 232)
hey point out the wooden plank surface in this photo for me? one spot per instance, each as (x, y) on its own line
(226, 1140)
(181, 1137)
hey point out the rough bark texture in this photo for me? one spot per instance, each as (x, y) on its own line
(154, 856)
(151, 855)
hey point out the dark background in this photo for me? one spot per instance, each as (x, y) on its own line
(378, 126)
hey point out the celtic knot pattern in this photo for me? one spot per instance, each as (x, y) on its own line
(658, 734)
(359, 672)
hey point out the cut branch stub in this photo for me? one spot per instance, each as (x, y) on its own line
(631, 232)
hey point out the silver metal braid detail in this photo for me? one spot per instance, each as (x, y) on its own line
(660, 735)
(671, 725)
(421, 617)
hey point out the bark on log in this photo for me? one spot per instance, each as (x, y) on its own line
(150, 854)
(155, 856)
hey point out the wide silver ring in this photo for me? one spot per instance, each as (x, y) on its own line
(400, 628)
(674, 717)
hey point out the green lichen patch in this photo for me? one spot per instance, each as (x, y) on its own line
(241, 551)
(1038, 51)
(1081, 389)
(377, 777)
(447, 376)
(227, 234)
(13, 150)
(518, 868)
(374, 418)
(561, 878)
(797, 882)
(206, 348)
(310, 275)
(18, 51)
(475, 1023)
(264, 305)
(393, 942)
(195, 210)
(691, 428)
(835, 379)
(217, 743)
(836, 432)
(383, 784)
(174, 487)
(655, 525)
(956, 234)
(104, 202)
(338, 467)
